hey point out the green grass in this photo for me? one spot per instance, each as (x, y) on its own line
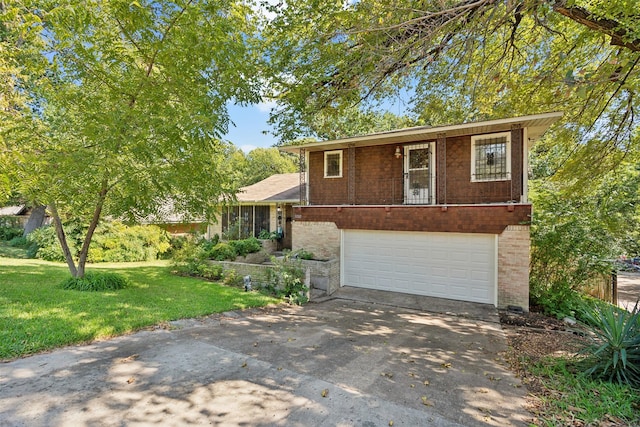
(576, 397)
(36, 315)
(10, 252)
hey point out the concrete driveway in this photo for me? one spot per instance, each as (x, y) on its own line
(363, 358)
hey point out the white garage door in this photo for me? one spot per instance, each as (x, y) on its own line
(445, 265)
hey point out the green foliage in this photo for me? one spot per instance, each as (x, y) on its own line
(614, 351)
(116, 242)
(575, 236)
(19, 242)
(286, 279)
(113, 242)
(47, 245)
(557, 299)
(233, 279)
(95, 281)
(485, 60)
(597, 401)
(37, 315)
(259, 164)
(235, 232)
(266, 235)
(303, 254)
(233, 248)
(112, 109)
(246, 246)
(7, 251)
(223, 251)
(190, 257)
(7, 233)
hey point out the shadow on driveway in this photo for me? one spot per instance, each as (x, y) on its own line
(363, 358)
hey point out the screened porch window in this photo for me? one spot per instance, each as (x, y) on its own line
(491, 157)
(245, 221)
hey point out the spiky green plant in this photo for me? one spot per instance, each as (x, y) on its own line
(613, 353)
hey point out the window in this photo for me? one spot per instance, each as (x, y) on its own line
(240, 222)
(333, 164)
(491, 157)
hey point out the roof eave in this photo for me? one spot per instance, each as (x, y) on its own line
(536, 124)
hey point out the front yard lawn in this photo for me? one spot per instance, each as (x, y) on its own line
(36, 315)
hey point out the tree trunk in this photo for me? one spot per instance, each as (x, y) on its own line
(36, 219)
(62, 238)
(84, 252)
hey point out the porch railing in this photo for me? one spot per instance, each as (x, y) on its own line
(398, 191)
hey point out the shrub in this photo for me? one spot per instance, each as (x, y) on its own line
(209, 244)
(46, 243)
(614, 351)
(265, 235)
(117, 242)
(189, 257)
(223, 251)
(287, 280)
(95, 281)
(246, 246)
(19, 242)
(112, 242)
(303, 254)
(231, 278)
(557, 299)
(209, 271)
(8, 232)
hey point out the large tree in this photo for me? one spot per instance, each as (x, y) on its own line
(462, 60)
(113, 107)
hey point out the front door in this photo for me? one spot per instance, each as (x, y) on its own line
(418, 173)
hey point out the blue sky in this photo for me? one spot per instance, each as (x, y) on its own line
(250, 122)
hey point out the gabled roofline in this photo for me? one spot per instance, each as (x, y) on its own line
(536, 124)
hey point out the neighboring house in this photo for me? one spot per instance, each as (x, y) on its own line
(265, 205)
(177, 225)
(14, 216)
(17, 216)
(437, 211)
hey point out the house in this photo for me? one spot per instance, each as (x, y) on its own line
(14, 216)
(436, 211)
(266, 205)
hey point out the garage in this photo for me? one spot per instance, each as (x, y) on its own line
(460, 266)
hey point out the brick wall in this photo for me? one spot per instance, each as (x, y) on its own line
(492, 219)
(513, 267)
(321, 238)
(379, 178)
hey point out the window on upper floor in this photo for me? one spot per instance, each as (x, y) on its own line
(333, 164)
(491, 157)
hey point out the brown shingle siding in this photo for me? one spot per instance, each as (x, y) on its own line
(379, 176)
(491, 219)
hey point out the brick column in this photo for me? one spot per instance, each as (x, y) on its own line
(321, 238)
(513, 267)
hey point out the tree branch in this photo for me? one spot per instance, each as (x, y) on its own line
(84, 252)
(619, 35)
(62, 238)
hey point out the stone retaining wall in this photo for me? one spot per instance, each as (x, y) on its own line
(325, 275)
